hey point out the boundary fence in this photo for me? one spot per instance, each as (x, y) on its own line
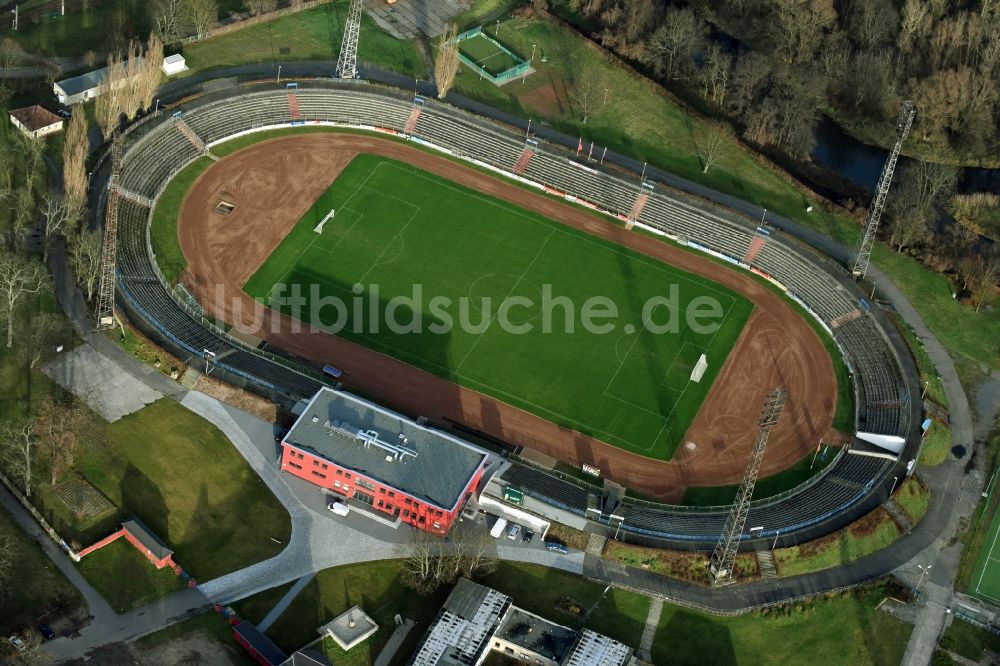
(519, 69)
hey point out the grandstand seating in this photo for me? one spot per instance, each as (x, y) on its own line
(155, 151)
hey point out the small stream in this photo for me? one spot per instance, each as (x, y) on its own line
(862, 163)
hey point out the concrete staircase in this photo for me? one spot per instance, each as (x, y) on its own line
(640, 203)
(522, 161)
(189, 134)
(766, 563)
(756, 245)
(411, 122)
(843, 319)
(898, 515)
(293, 107)
(190, 378)
(595, 545)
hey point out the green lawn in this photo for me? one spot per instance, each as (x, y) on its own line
(78, 32)
(398, 230)
(913, 498)
(767, 486)
(843, 629)
(36, 586)
(872, 533)
(979, 527)
(125, 578)
(985, 581)
(312, 34)
(619, 614)
(376, 587)
(928, 373)
(937, 444)
(182, 477)
(969, 641)
(163, 231)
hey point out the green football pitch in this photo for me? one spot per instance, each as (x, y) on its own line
(985, 582)
(486, 54)
(396, 230)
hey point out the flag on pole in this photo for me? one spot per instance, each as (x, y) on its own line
(579, 147)
(591, 153)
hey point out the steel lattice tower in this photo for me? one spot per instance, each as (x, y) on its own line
(724, 557)
(109, 253)
(347, 63)
(881, 190)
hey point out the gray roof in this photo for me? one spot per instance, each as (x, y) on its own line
(78, 84)
(466, 599)
(423, 462)
(147, 538)
(537, 634)
(261, 643)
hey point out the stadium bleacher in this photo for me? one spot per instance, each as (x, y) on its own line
(155, 150)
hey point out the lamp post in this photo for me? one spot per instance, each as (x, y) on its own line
(605, 97)
(497, 31)
(923, 572)
(926, 384)
(532, 58)
(893, 489)
(279, 73)
(643, 176)
(527, 132)
(762, 216)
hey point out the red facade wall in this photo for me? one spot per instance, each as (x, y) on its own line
(393, 501)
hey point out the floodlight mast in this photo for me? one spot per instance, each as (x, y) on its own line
(881, 191)
(347, 63)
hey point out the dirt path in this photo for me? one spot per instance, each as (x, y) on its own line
(275, 182)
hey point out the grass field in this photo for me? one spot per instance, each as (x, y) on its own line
(985, 582)
(125, 578)
(842, 629)
(192, 489)
(937, 444)
(869, 534)
(486, 54)
(38, 586)
(396, 227)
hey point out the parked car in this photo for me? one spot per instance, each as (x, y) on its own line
(65, 113)
(17, 643)
(46, 631)
(528, 536)
(513, 532)
(556, 547)
(338, 508)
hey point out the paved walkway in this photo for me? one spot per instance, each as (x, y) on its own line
(283, 603)
(394, 642)
(100, 382)
(649, 631)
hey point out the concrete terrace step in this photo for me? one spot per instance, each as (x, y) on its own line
(595, 545)
(755, 247)
(898, 515)
(522, 161)
(766, 563)
(190, 378)
(293, 106)
(411, 122)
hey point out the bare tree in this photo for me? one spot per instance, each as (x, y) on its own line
(108, 106)
(924, 186)
(980, 275)
(168, 15)
(258, 7)
(75, 163)
(798, 26)
(446, 61)
(200, 15)
(8, 557)
(19, 448)
(85, 259)
(60, 427)
(873, 24)
(420, 562)
(10, 53)
(715, 72)
(19, 278)
(586, 95)
(39, 335)
(56, 220)
(710, 139)
(681, 33)
(908, 228)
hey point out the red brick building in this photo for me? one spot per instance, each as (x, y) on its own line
(372, 455)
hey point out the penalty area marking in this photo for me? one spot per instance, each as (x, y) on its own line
(329, 216)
